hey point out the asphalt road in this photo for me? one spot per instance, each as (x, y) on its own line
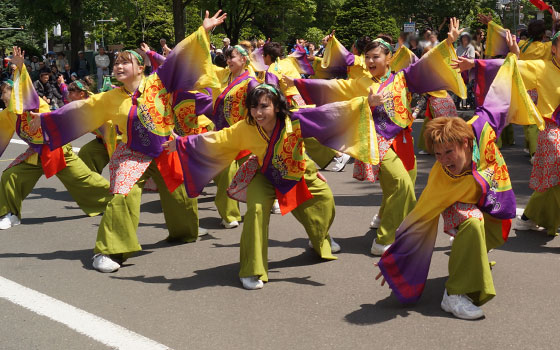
(189, 296)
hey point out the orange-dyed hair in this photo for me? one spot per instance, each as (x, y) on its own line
(444, 130)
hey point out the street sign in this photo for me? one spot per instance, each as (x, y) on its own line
(410, 27)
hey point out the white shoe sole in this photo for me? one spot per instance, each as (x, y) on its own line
(445, 308)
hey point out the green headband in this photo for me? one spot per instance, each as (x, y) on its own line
(243, 53)
(384, 43)
(9, 82)
(555, 36)
(80, 85)
(138, 57)
(269, 88)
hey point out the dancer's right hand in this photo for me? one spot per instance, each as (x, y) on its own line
(35, 123)
(210, 23)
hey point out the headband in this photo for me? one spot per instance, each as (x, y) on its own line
(384, 43)
(243, 53)
(9, 82)
(555, 36)
(80, 85)
(138, 57)
(269, 88)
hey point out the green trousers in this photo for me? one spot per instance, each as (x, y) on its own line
(531, 137)
(421, 142)
(322, 155)
(90, 190)
(507, 137)
(316, 215)
(227, 208)
(469, 269)
(544, 209)
(117, 230)
(399, 198)
(94, 155)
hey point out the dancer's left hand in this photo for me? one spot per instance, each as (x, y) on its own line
(210, 23)
(35, 123)
(454, 31)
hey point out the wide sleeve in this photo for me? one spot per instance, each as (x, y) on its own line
(320, 91)
(79, 118)
(189, 65)
(405, 265)
(336, 56)
(344, 126)
(300, 62)
(501, 94)
(24, 97)
(155, 59)
(496, 43)
(7, 128)
(402, 59)
(530, 72)
(433, 72)
(204, 156)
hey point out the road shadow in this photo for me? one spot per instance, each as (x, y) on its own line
(530, 242)
(49, 193)
(227, 275)
(390, 308)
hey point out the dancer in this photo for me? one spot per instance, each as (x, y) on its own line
(88, 189)
(393, 119)
(469, 186)
(543, 76)
(139, 110)
(279, 168)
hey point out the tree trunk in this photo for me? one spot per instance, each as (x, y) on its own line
(179, 20)
(76, 29)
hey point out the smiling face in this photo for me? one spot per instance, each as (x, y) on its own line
(264, 114)
(236, 62)
(377, 62)
(456, 157)
(126, 69)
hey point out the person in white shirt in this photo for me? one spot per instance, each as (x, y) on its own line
(102, 62)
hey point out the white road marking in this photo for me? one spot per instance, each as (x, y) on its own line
(21, 142)
(83, 322)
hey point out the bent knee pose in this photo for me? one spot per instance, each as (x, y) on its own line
(393, 120)
(279, 168)
(90, 190)
(140, 111)
(469, 186)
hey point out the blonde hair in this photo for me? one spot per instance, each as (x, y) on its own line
(445, 130)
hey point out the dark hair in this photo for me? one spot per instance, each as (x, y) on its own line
(536, 30)
(229, 51)
(374, 45)
(388, 38)
(278, 101)
(73, 86)
(273, 49)
(361, 43)
(220, 60)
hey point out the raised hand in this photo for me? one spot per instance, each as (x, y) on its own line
(329, 37)
(454, 31)
(555, 16)
(210, 23)
(166, 50)
(484, 19)
(462, 63)
(17, 57)
(144, 47)
(512, 43)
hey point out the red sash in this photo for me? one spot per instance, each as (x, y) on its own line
(52, 161)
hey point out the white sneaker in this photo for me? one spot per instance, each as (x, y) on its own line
(202, 231)
(251, 283)
(375, 222)
(422, 152)
(461, 306)
(335, 247)
(526, 225)
(341, 162)
(275, 207)
(8, 220)
(526, 150)
(378, 249)
(103, 263)
(232, 224)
